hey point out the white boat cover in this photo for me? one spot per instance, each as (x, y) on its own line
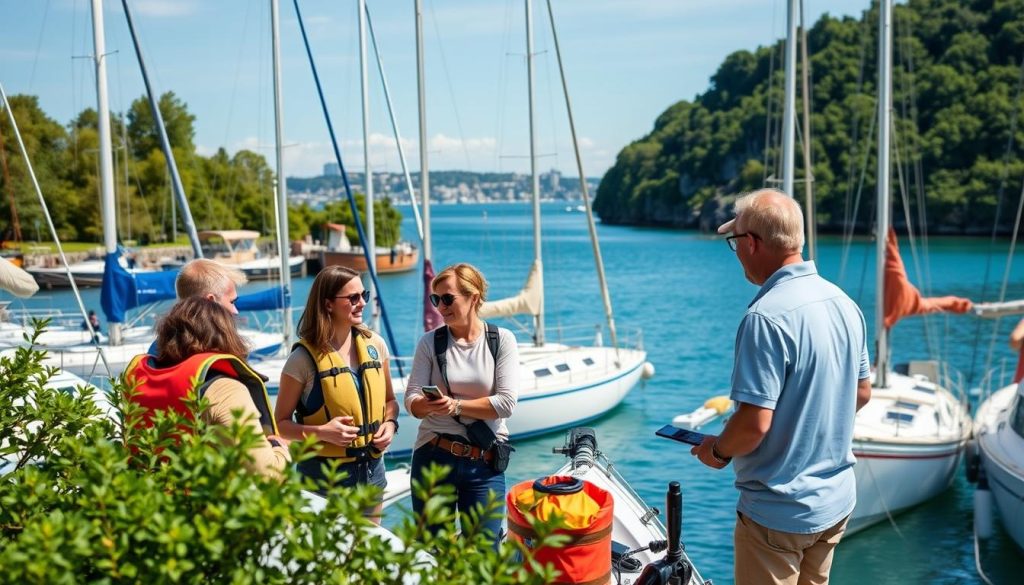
(528, 302)
(16, 281)
(995, 310)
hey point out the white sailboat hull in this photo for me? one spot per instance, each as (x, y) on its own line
(912, 429)
(1002, 458)
(547, 401)
(555, 401)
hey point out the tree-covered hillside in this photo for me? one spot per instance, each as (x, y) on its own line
(956, 102)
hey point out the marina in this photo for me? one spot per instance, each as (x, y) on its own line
(936, 451)
(692, 355)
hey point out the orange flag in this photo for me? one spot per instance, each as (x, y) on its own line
(902, 299)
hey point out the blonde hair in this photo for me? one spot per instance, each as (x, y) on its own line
(203, 276)
(775, 217)
(469, 280)
(315, 325)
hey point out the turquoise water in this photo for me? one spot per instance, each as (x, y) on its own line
(687, 293)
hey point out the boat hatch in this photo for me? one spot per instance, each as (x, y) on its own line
(562, 367)
(924, 389)
(899, 417)
(588, 361)
(906, 405)
(542, 372)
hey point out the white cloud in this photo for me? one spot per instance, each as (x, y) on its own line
(166, 8)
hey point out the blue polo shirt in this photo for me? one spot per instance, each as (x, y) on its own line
(800, 351)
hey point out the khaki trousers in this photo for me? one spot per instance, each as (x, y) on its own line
(769, 557)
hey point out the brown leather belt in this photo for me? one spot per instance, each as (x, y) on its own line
(461, 449)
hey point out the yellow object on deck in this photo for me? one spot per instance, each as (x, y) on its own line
(720, 404)
(577, 510)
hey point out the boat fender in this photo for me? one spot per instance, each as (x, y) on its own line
(983, 509)
(972, 461)
(647, 371)
(564, 486)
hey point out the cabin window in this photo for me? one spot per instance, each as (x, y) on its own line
(907, 405)
(899, 417)
(588, 361)
(542, 372)
(1017, 418)
(924, 389)
(562, 367)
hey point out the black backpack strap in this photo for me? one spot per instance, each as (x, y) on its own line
(493, 341)
(440, 349)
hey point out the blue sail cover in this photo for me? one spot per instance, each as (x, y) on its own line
(270, 299)
(123, 290)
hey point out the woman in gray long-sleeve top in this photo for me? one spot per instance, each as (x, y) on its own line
(479, 383)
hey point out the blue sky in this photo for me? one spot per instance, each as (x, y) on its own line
(626, 62)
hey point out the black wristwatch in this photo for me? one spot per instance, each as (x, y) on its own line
(391, 420)
(718, 456)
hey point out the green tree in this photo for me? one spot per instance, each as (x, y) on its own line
(92, 498)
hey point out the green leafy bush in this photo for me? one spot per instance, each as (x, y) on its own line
(177, 506)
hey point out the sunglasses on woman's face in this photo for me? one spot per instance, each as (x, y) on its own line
(354, 297)
(446, 298)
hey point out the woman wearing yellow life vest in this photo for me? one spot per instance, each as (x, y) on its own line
(336, 384)
(201, 351)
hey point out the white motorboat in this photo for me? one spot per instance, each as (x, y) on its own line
(636, 527)
(912, 428)
(999, 436)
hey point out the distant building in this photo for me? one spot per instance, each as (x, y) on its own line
(332, 169)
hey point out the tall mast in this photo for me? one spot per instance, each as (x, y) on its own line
(789, 111)
(165, 144)
(535, 180)
(882, 228)
(282, 186)
(809, 213)
(591, 227)
(370, 245)
(421, 94)
(106, 154)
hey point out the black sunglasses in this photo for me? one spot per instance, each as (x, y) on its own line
(447, 299)
(731, 240)
(354, 297)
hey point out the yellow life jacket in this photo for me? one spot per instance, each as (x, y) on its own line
(334, 393)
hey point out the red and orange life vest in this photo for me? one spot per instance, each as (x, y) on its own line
(167, 388)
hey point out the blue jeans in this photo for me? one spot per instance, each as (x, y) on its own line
(370, 472)
(474, 481)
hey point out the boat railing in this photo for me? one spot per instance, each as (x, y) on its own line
(604, 363)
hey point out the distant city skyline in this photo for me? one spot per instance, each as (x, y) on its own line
(626, 63)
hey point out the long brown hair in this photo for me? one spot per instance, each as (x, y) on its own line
(315, 326)
(197, 325)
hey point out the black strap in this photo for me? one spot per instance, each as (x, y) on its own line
(564, 487)
(441, 349)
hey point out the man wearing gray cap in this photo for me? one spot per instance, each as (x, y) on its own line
(801, 372)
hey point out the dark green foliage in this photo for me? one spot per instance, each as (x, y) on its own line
(956, 75)
(179, 506)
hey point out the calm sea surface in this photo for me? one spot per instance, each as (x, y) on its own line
(686, 292)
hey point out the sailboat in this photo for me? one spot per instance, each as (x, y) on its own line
(913, 427)
(561, 385)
